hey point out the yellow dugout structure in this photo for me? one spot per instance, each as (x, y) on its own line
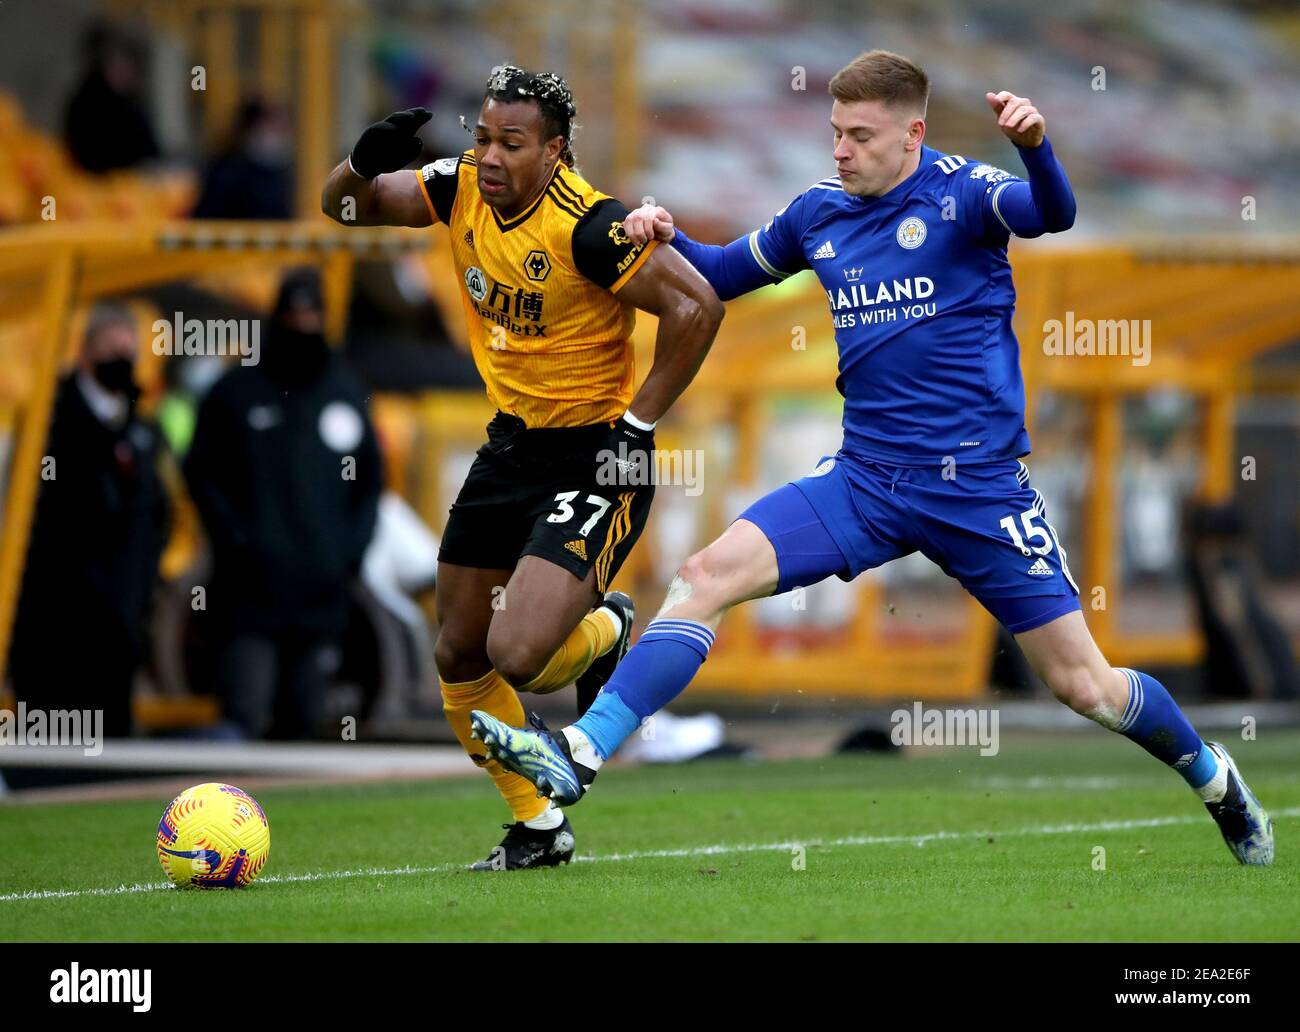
(48, 273)
(1213, 306)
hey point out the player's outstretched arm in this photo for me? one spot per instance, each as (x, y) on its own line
(367, 188)
(731, 270)
(1046, 203)
(689, 316)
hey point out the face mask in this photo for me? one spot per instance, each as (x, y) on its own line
(292, 356)
(116, 375)
(271, 148)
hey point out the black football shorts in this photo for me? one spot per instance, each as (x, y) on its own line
(541, 492)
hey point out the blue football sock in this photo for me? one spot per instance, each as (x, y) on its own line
(653, 673)
(1154, 721)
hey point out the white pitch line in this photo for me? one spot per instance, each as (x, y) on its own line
(661, 854)
(1072, 784)
(915, 840)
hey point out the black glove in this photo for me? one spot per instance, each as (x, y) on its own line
(389, 145)
(625, 453)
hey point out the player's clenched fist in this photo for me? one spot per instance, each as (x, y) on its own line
(389, 145)
(1018, 119)
(649, 222)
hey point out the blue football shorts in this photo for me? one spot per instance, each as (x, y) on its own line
(983, 524)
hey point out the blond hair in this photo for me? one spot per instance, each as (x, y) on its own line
(882, 75)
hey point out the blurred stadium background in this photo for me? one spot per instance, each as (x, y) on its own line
(1174, 485)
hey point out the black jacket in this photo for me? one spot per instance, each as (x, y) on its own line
(106, 130)
(100, 526)
(287, 478)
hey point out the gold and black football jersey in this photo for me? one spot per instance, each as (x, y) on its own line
(549, 335)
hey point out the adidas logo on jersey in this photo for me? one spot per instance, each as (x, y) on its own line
(578, 547)
(825, 251)
(1039, 569)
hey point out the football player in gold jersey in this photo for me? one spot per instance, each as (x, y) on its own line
(550, 283)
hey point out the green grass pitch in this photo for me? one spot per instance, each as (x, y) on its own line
(930, 846)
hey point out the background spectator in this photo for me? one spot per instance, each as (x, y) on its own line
(100, 527)
(107, 126)
(253, 177)
(285, 470)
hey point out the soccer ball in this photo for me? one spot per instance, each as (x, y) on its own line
(213, 836)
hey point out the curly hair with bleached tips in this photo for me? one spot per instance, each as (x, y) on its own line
(548, 91)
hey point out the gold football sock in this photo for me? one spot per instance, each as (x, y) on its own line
(492, 694)
(590, 640)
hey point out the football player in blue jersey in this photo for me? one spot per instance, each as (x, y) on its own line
(910, 245)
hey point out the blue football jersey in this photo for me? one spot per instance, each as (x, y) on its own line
(920, 291)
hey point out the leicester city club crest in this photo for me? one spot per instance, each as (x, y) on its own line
(911, 233)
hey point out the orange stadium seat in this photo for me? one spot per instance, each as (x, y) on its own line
(35, 165)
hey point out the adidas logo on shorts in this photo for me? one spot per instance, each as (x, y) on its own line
(578, 547)
(1039, 569)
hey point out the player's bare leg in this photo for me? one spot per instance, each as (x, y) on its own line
(739, 565)
(537, 609)
(464, 600)
(534, 629)
(1134, 704)
(1065, 656)
(546, 633)
(466, 597)
(467, 680)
